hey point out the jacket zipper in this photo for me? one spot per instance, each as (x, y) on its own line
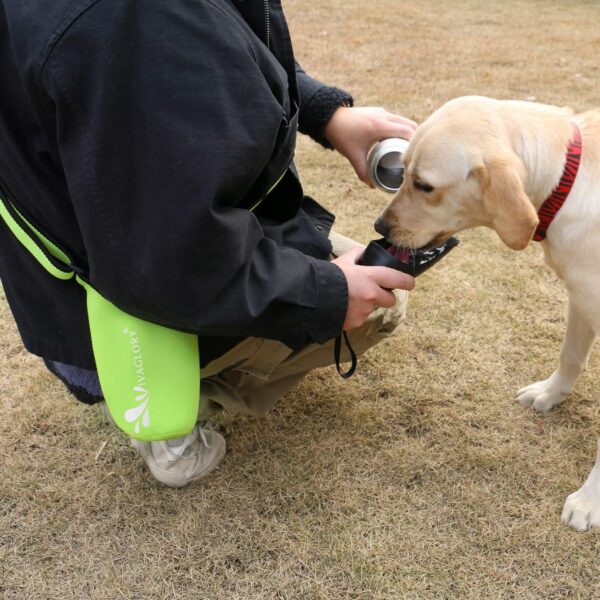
(267, 24)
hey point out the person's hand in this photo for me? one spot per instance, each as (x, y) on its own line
(368, 287)
(353, 130)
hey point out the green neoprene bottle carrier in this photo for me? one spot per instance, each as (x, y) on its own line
(149, 374)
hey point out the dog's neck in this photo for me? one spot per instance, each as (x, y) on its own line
(540, 138)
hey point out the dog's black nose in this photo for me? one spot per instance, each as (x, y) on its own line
(381, 227)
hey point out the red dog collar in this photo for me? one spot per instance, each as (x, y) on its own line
(556, 199)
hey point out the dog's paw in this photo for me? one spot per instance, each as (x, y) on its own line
(582, 509)
(542, 396)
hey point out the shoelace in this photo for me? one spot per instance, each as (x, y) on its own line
(176, 444)
(202, 436)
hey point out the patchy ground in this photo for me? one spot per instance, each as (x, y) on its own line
(418, 478)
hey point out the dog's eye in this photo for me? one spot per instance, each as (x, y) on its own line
(424, 187)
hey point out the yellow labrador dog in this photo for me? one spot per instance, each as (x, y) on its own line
(478, 161)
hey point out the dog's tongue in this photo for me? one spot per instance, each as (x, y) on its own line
(401, 254)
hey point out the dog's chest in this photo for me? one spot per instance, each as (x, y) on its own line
(552, 259)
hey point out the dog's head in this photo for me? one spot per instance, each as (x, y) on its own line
(460, 172)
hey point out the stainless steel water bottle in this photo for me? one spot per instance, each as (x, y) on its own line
(385, 164)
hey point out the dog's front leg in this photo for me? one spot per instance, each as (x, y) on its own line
(582, 508)
(544, 395)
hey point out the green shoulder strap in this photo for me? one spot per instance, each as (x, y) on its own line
(149, 374)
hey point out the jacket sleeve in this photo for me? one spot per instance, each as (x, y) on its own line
(318, 102)
(164, 120)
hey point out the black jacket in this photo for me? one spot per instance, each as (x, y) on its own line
(138, 134)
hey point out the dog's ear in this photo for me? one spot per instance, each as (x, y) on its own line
(511, 212)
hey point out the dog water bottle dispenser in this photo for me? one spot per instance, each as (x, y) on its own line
(386, 169)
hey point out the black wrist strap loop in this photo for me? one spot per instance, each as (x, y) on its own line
(337, 352)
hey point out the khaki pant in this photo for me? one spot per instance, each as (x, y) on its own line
(253, 376)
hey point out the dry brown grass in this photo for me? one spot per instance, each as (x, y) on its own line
(420, 477)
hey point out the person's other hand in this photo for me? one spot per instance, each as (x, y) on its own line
(368, 287)
(353, 130)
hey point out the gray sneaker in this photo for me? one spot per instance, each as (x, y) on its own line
(103, 407)
(182, 460)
